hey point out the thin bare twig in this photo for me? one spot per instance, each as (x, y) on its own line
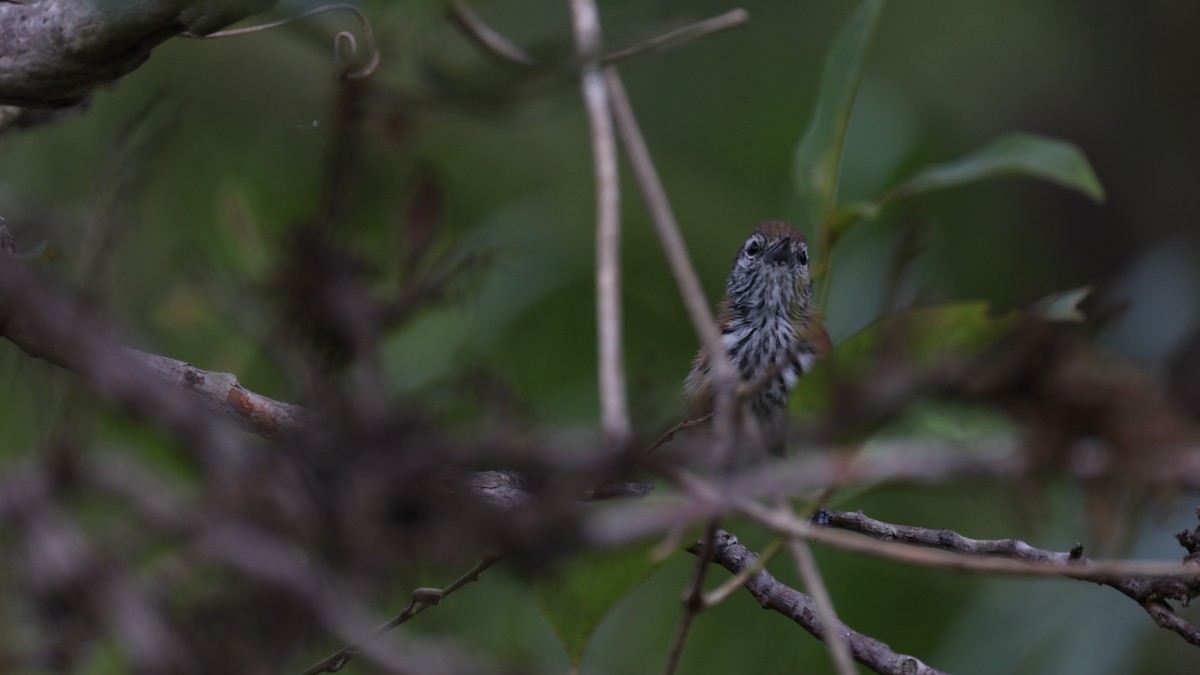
(666, 438)
(667, 229)
(1001, 556)
(613, 402)
(484, 37)
(724, 376)
(422, 599)
(341, 37)
(693, 601)
(721, 371)
(504, 50)
(1148, 590)
(835, 640)
(730, 19)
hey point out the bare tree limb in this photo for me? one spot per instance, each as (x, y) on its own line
(613, 401)
(721, 593)
(667, 229)
(1150, 592)
(914, 545)
(49, 324)
(222, 394)
(771, 594)
(52, 54)
(723, 375)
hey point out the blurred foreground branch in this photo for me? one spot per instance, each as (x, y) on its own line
(51, 324)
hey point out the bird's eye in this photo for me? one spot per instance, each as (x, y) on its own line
(754, 248)
(802, 257)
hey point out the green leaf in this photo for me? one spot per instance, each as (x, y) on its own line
(577, 599)
(819, 157)
(1016, 154)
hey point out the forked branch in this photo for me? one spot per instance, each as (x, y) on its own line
(729, 553)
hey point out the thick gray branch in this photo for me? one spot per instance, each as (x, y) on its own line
(54, 52)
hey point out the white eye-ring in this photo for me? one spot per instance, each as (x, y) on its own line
(802, 256)
(754, 248)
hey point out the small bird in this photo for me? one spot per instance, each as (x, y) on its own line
(768, 326)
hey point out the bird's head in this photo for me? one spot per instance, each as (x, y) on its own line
(770, 272)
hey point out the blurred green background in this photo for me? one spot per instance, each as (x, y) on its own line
(209, 154)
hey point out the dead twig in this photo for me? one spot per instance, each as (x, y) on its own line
(340, 38)
(484, 37)
(614, 406)
(730, 19)
(422, 599)
(693, 600)
(1135, 580)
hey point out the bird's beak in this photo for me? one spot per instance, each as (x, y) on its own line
(780, 252)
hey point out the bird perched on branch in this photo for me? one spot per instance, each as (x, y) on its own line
(769, 328)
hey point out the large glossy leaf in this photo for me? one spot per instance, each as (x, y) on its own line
(1017, 154)
(819, 157)
(577, 599)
